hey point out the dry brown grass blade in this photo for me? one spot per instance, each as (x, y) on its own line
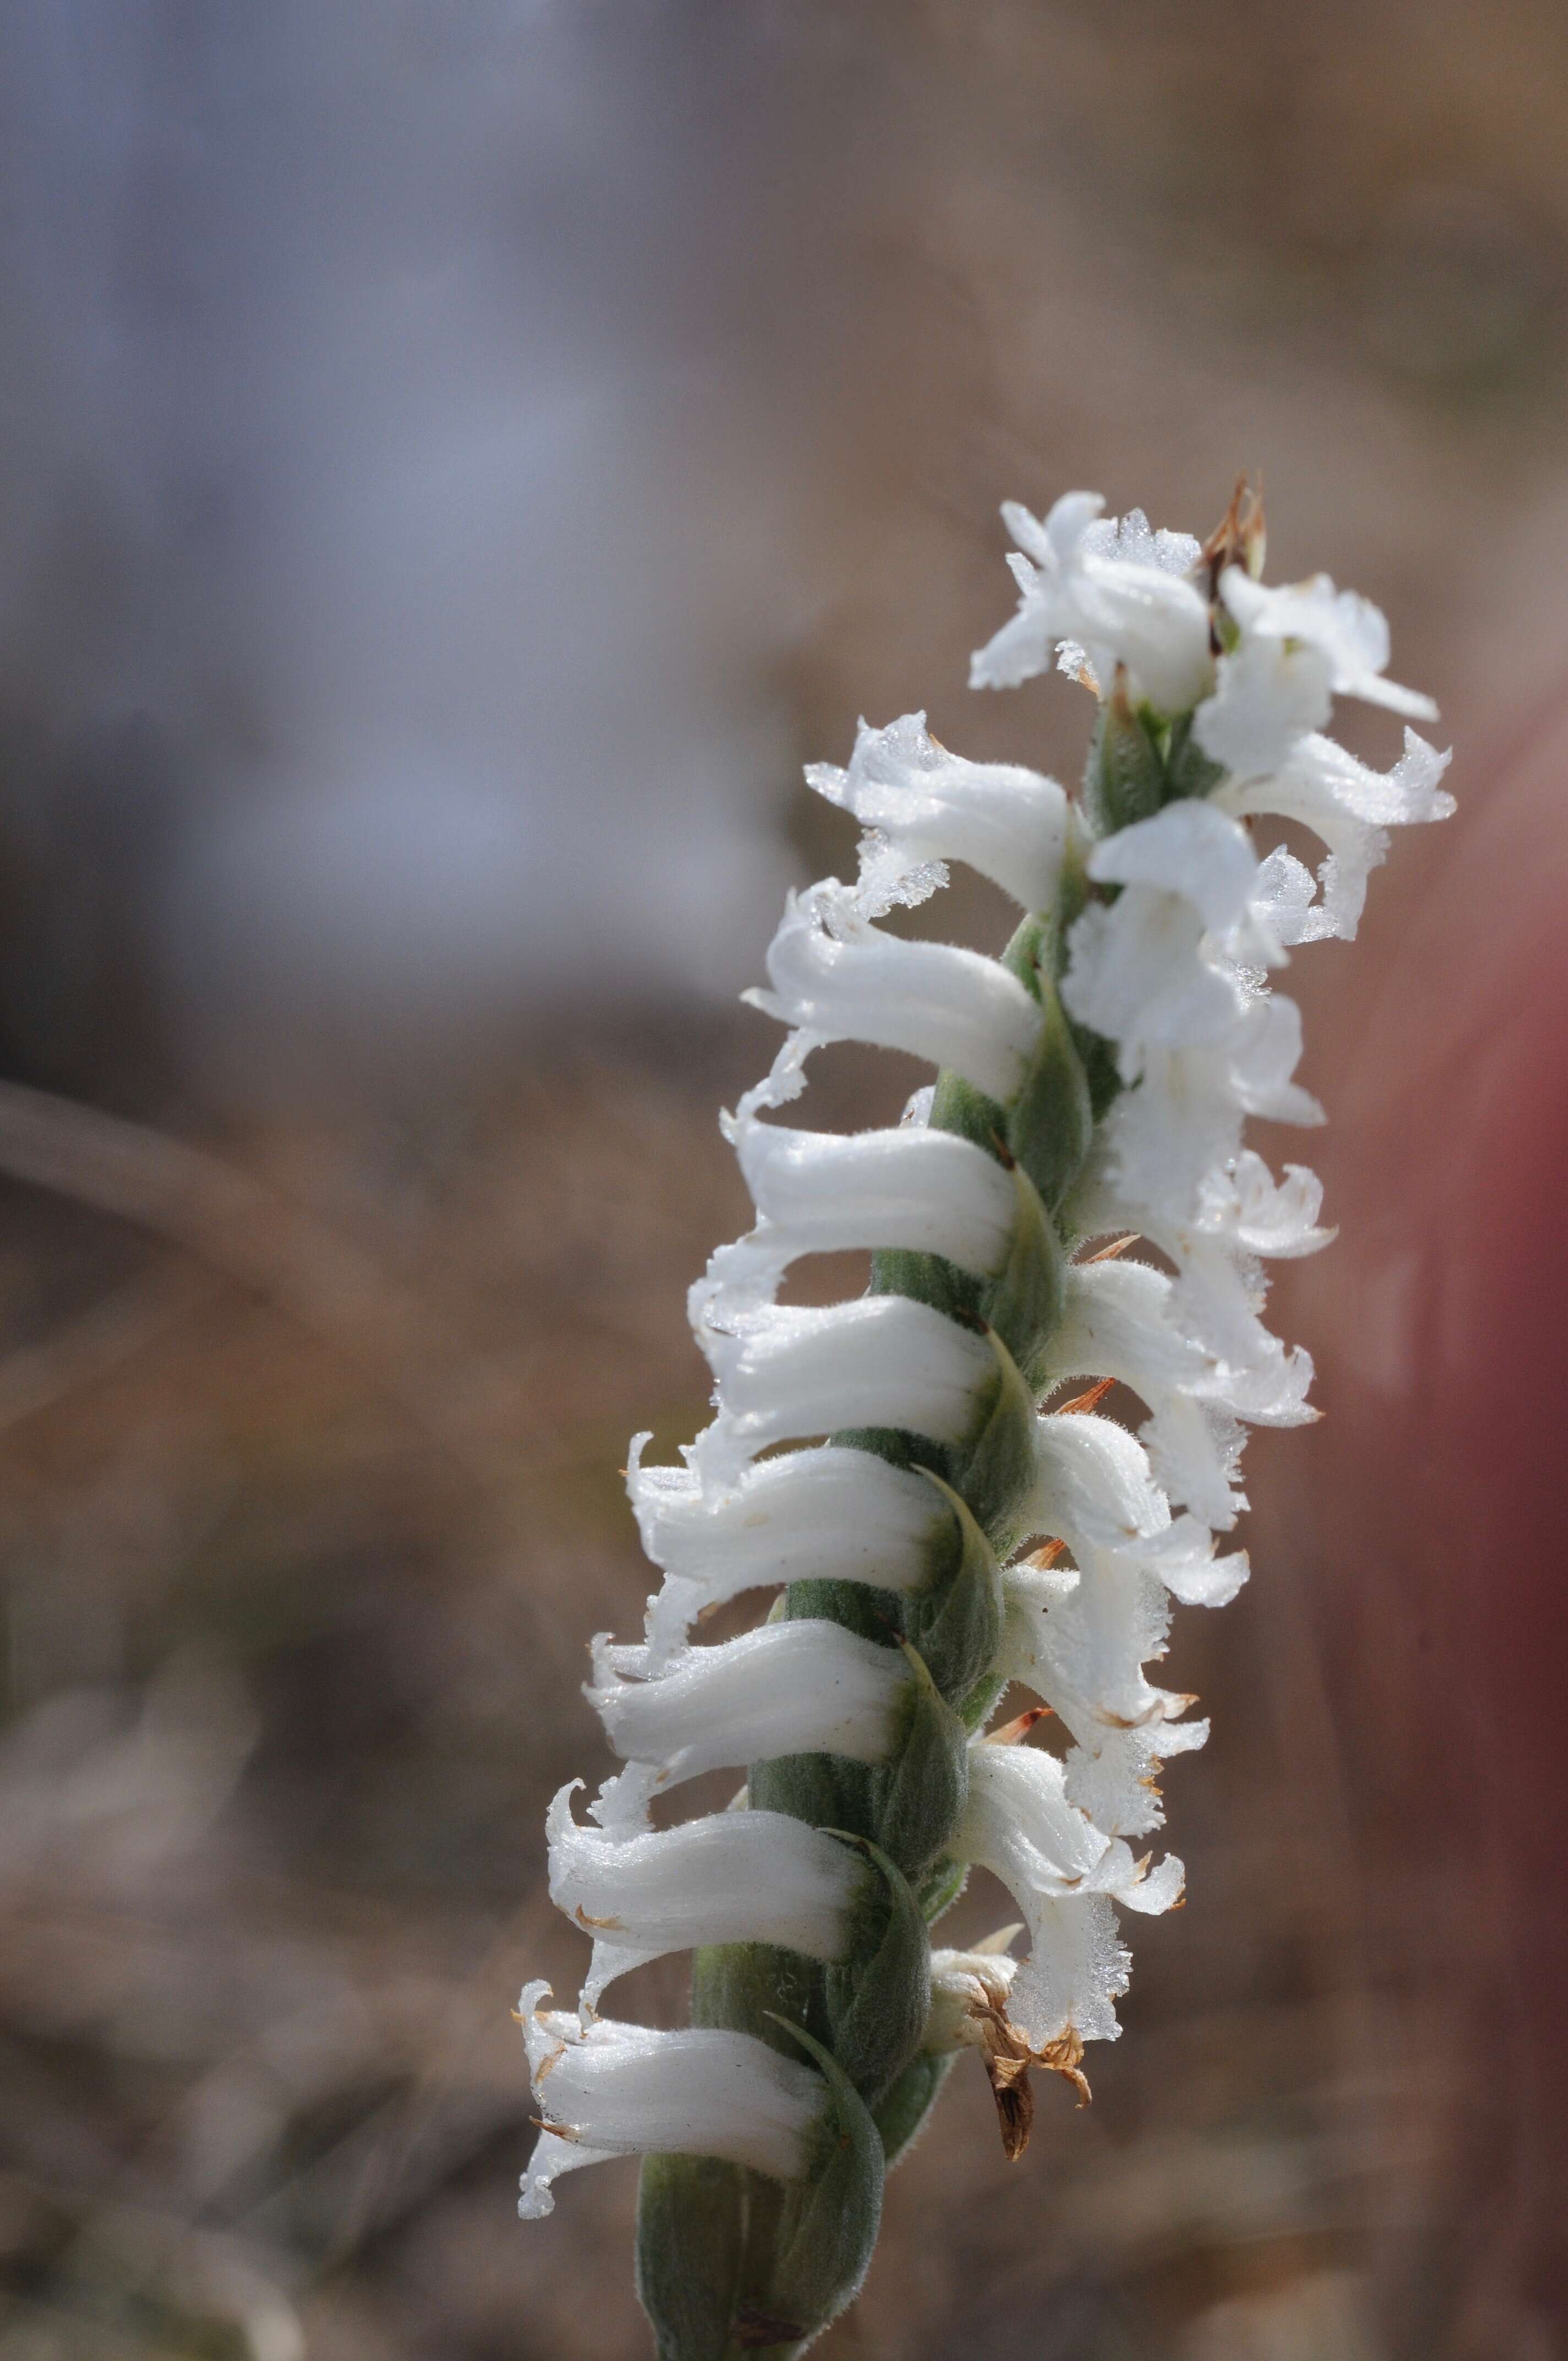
(398, 1345)
(103, 1339)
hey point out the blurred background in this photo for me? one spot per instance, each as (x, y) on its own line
(460, 458)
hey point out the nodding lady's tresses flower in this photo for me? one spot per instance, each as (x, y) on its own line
(939, 1522)
(617, 2090)
(730, 1877)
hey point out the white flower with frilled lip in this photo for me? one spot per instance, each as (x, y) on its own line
(1348, 630)
(883, 1360)
(732, 1877)
(838, 978)
(828, 1511)
(925, 805)
(1117, 597)
(802, 1687)
(607, 2089)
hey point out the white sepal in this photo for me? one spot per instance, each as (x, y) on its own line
(908, 1187)
(730, 1877)
(1115, 1323)
(840, 979)
(831, 1512)
(607, 2089)
(1188, 849)
(1028, 642)
(803, 1687)
(1151, 621)
(1008, 823)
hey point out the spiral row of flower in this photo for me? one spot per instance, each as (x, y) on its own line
(949, 1540)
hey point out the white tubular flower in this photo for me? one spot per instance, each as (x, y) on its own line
(1268, 693)
(1163, 1143)
(926, 805)
(800, 1688)
(970, 2004)
(1150, 622)
(1115, 597)
(733, 1877)
(838, 1514)
(1241, 1217)
(1349, 632)
(839, 979)
(1116, 1325)
(607, 2089)
(1061, 1872)
(1095, 1492)
(1348, 806)
(1076, 1972)
(883, 1360)
(1019, 1824)
(818, 1193)
(1119, 1324)
(1157, 969)
(1084, 1654)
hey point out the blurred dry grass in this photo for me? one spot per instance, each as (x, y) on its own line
(310, 1450)
(292, 1673)
(287, 1698)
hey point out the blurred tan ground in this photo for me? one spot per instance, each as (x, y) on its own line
(304, 1529)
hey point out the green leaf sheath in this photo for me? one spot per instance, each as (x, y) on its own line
(731, 2263)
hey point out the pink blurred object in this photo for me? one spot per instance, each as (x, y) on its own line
(1438, 1517)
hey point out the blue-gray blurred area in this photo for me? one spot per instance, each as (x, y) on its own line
(459, 458)
(397, 458)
